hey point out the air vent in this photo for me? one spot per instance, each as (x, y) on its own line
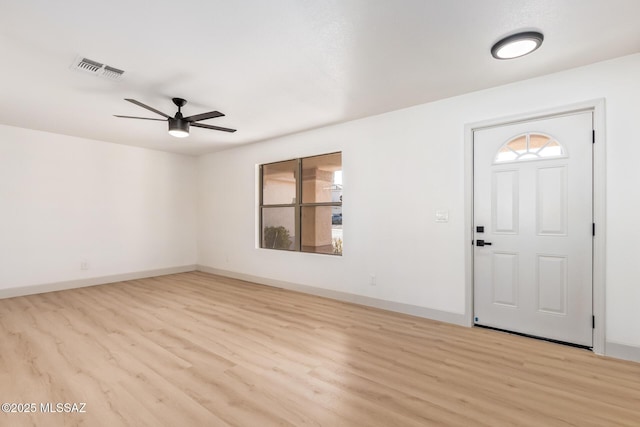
(112, 73)
(89, 65)
(96, 68)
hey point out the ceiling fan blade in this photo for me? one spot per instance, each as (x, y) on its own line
(142, 118)
(204, 116)
(140, 104)
(200, 125)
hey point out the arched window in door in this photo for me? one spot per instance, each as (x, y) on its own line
(530, 146)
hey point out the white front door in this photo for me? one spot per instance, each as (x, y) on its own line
(533, 213)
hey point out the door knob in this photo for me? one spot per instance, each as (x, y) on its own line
(482, 243)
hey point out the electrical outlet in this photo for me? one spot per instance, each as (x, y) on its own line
(84, 264)
(372, 279)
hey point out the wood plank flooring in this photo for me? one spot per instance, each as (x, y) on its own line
(194, 349)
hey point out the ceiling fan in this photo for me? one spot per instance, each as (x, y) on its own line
(179, 125)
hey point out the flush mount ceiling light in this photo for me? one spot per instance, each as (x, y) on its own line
(517, 45)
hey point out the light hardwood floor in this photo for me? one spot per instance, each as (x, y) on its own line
(194, 349)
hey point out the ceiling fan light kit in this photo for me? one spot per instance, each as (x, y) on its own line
(179, 125)
(178, 128)
(517, 45)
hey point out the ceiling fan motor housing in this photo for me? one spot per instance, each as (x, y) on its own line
(178, 127)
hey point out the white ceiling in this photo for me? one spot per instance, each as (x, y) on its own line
(280, 66)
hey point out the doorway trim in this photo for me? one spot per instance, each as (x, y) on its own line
(597, 106)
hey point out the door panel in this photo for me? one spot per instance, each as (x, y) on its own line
(552, 284)
(533, 195)
(505, 201)
(505, 279)
(552, 201)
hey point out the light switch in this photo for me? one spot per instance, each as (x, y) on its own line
(442, 216)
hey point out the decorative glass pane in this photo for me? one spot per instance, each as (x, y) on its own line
(537, 141)
(322, 179)
(322, 229)
(278, 225)
(279, 183)
(531, 146)
(506, 156)
(519, 145)
(552, 149)
(553, 144)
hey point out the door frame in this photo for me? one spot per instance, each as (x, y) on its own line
(597, 107)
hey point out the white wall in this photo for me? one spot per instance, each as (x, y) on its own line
(65, 199)
(399, 168)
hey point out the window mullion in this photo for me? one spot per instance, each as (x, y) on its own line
(298, 209)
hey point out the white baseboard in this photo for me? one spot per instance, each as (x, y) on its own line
(92, 281)
(414, 310)
(622, 351)
(613, 349)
